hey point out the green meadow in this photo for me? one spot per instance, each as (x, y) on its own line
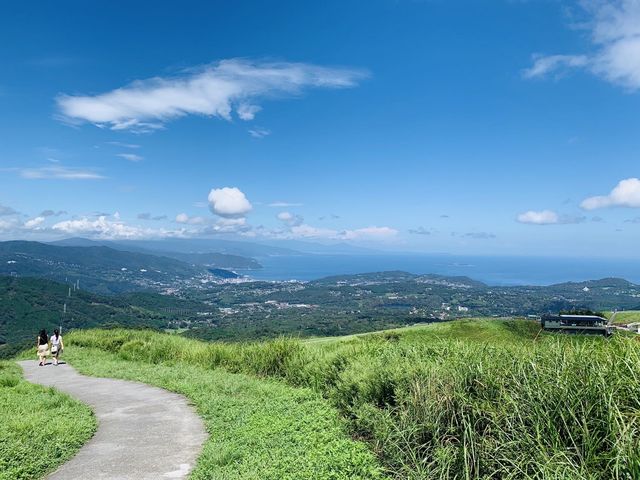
(40, 427)
(471, 399)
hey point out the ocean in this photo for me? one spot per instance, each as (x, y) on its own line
(491, 270)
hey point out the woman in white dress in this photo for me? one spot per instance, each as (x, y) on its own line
(56, 346)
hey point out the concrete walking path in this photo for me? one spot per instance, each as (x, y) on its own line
(143, 432)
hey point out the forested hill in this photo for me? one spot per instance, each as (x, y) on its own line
(30, 304)
(98, 268)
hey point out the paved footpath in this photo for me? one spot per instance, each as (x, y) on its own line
(143, 432)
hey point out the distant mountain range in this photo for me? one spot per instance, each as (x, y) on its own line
(209, 258)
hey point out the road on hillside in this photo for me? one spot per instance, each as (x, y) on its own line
(143, 432)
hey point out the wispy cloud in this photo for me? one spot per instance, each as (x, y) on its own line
(549, 217)
(625, 194)
(614, 27)
(61, 173)
(52, 213)
(259, 132)
(216, 90)
(124, 145)
(420, 231)
(5, 211)
(131, 157)
(480, 235)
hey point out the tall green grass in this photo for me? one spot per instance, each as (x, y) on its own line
(467, 400)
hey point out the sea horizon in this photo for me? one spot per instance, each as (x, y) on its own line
(493, 270)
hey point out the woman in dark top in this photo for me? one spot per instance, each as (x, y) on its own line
(42, 343)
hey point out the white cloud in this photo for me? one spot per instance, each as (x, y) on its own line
(259, 132)
(625, 194)
(214, 90)
(544, 217)
(34, 223)
(547, 217)
(61, 173)
(8, 224)
(369, 233)
(104, 228)
(290, 219)
(615, 33)
(247, 112)
(132, 157)
(184, 218)
(228, 225)
(229, 202)
(124, 145)
(420, 231)
(543, 65)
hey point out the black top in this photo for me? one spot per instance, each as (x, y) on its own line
(43, 340)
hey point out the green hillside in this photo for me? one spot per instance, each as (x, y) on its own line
(98, 268)
(29, 304)
(476, 399)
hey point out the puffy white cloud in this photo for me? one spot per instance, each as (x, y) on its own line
(8, 224)
(102, 227)
(625, 194)
(229, 202)
(34, 223)
(248, 112)
(544, 217)
(131, 157)
(213, 90)
(615, 33)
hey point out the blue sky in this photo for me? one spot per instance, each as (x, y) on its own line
(494, 127)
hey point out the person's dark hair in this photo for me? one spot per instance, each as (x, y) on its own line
(43, 337)
(56, 333)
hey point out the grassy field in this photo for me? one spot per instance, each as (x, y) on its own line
(629, 316)
(259, 428)
(40, 427)
(468, 399)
